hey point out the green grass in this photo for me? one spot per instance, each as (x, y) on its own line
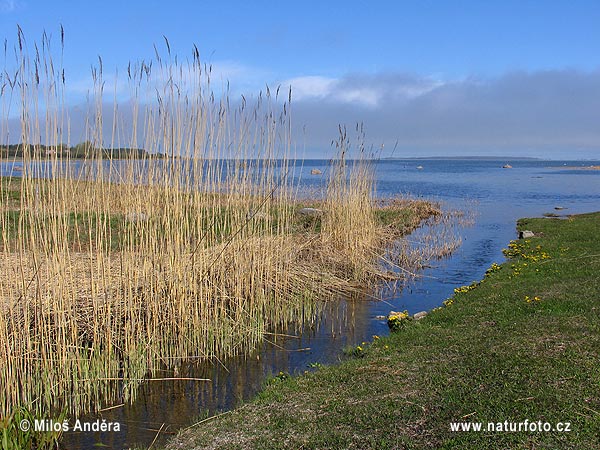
(490, 356)
(10, 189)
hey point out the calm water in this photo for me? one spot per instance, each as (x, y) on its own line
(497, 196)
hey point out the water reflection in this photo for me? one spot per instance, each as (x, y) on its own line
(171, 405)
(175, 404)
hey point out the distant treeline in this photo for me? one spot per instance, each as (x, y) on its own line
(79, 151)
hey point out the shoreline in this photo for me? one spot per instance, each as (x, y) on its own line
(501, 350)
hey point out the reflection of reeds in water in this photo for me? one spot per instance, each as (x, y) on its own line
(438, 238)
(194, 251)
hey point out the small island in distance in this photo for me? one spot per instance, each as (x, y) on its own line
(80, 151)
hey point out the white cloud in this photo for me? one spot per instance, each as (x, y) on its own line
(363, 90)
(367, 96)
(310, 87)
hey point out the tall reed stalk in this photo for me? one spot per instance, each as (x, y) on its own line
(113, 269)
(349, 226)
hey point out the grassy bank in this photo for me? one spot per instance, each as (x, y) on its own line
(523, 344)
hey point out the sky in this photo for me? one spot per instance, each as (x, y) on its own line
(425, 78)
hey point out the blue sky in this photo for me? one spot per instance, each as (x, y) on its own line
(438, 77)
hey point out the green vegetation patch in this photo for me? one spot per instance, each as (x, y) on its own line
(521, 345)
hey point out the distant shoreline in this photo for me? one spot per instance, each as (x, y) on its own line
(593, 166)
(475, 158)
(577, 167)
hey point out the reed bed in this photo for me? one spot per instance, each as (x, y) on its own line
(114, 269)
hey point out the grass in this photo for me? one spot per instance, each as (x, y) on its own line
(523, 344)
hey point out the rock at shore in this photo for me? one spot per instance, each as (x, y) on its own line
(526, 234)
(310, 212)
(420, 315)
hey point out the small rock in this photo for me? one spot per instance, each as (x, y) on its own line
(526, 234)
(315, 172)
(310, 212)
(559, 208)
(420, 315)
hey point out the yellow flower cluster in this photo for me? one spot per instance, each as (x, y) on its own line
(522, 249)
(397, 320)
(516, 271)
(468, 288)
(493, 268)
(515, 248)
(532, 300)
(281, 376)
(399, 315)
(460, 290)
(537, 257)
(360, 350)
(518, 249)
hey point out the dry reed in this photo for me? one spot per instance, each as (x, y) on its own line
(112, 269)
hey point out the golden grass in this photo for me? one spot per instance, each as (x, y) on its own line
(113, 271)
